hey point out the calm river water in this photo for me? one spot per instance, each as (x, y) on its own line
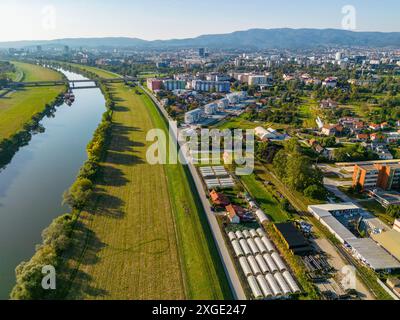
(32, 185)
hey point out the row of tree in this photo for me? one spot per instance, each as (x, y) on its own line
(57, 238)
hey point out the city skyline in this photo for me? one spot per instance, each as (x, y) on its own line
(43, 20)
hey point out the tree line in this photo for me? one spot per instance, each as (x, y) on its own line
(57, 238)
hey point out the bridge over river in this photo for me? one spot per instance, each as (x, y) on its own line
(74, 84)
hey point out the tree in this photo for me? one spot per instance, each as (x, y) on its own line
(79, 193)
(394, 211)
(316, 192)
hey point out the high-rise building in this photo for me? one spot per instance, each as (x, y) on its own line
(202, 52)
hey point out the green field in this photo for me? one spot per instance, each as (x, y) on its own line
(265, 199)
(17, 108)
(143, 237)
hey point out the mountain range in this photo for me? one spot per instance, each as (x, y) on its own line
(252, 39)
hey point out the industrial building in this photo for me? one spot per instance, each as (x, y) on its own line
(293, 238)
(365, 249)
(266, 273)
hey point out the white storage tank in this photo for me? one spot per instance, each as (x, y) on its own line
(253, 246)
(261, 216)
(255, 289)
(261, 233)
(232, 236)
(260, 245)
(239, 235)
(245, 267)
(253, 233)
(237, 248)
(246, 234)
(268, 244)
(262, 264)
(276, 290)
(262, 282)
(270, 263)
(254, 266)
(282, 283)
(279, 262)
(245, 247)
(291, 282)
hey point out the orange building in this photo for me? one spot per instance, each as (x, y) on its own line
(384, 176)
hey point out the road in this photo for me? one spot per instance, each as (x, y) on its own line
(226, 259)
(332, 186)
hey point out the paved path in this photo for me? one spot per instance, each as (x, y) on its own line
(332, 186)
(227, 262)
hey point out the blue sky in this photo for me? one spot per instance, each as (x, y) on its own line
(165, 19)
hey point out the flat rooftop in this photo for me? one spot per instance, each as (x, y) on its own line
(389, 240)
(374, 255)
(327, 209)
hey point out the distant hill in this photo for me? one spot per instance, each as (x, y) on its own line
(254, 38)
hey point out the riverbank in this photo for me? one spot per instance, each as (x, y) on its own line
(22, 110)
(142, 222)
(32, 184)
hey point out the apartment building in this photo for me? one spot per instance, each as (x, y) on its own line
(384, 176)
(194, 116)
(208, 86)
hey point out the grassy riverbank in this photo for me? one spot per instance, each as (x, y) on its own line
(18, 108)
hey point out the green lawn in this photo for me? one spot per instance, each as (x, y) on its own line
(144, 236)
(17, 108)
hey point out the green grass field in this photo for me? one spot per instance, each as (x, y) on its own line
(143, 237)
(17, 108)
(265, 199)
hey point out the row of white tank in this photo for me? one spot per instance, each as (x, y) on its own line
(266, 272)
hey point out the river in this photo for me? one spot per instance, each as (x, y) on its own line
(32, 185)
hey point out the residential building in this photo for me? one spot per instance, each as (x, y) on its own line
(211, 108)
(209, 86)
(257, 80)
(234, 213)
(194, 116)
(219, 199)
(328, 104)
(330, 82)
(383, 176)
(154, 84)
(172, 85)
(332, 130)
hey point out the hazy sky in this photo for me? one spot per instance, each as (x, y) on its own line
(165, 19)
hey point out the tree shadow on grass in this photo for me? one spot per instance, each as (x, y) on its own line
(111, 176)
(73, 282)
(105, 204)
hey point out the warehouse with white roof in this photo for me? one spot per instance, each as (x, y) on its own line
(365, 249)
